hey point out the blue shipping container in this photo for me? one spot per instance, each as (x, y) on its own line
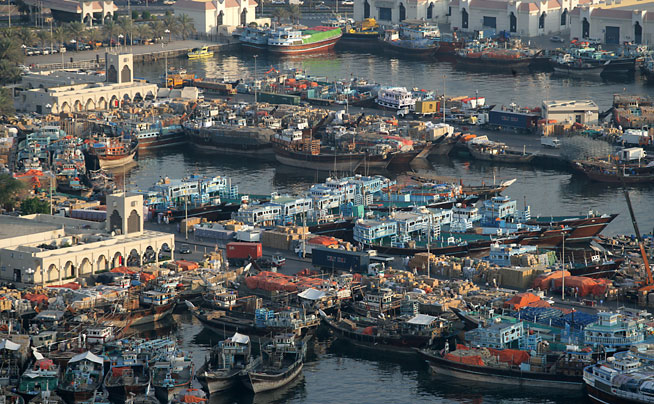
(512, 119)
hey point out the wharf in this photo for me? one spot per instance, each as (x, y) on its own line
(142, 54)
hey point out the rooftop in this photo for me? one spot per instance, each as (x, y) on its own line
(569, 104)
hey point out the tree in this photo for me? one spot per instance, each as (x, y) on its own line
(146, 15)
(59, 35)
(171, 24)
(186, 27)
(44, 37)
(34, 205)
(127, 28)
(294, 12)
(94, 35)
(158, 29)
(6, 102)
(11, 55)
(144, 31)
(135, 15)
(76, 30)
(26, 36)
(9, 188)
(280, 13)
(110, 29)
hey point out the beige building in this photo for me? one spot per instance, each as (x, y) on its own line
(529, 18)
(613, 25)
(395, 11)
(584, 112)
(45, 249)
(216, 16)
(88, 12)
(119, 86)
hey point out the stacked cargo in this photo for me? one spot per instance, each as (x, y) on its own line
(283, 237)
(189, 224)
(213, 231)
(276, 282)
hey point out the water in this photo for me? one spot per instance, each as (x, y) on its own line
(338, 372)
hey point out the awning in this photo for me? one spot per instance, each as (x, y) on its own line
(312, 294)
(88, 355)
(12, 346)
(240, 338)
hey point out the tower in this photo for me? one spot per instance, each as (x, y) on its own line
(119, 67)
(124, 213)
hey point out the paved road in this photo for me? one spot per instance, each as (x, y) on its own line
(90, 55)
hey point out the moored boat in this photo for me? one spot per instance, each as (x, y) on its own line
(295, 41)
(82, 377)
(111, 152)
(41, 377)
(199, 53)
(171, 376)
(227, 360)
(283, 360)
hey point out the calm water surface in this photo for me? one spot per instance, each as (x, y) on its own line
(549, 192)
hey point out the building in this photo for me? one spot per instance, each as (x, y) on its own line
(581, 111)
(395, 11)
(58, 78)
(524, 18)
(215, 16)
(88, 12)
(45, 249)
(613, 25)
(119, 87)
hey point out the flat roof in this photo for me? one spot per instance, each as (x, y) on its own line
(570, 104)
(12, 226)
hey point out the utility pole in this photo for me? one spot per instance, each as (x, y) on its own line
(9, 11)
(186, 216)
(444, 98)
(255, 79)
(563, 267)
(51, 178)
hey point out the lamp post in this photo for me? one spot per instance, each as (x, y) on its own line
(165, 56)
(120, 38)
(255, 79)
(563, 266)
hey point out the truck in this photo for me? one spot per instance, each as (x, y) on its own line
(513, 119)
(330, 259)
(551, 142)
(239, 252)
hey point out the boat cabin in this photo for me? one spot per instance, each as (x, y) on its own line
(157, 298)
(99, 335)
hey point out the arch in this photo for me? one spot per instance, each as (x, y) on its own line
(107, 17)
(113, 102)
(244, 17)
(220, 19)
(115, 221)
(149, 255)
(90, 105)
(585, 28)
(102, 103)
(112, 74)
(125, 74)
(69, 270)
(40, 86)
(86, 267)
(165, 250)
(464, 18)
(149, 95)
(513, 22)
(402, 12)
(564, 17)
(366, 9)
(102, 264)
(78, 106)
(133, 222)
(430, 11)
(133, 258)
(541, 20)
(138, 97)
(52, 274)
(88, 19)
(65, 107)
(638, 33)
(117, 260)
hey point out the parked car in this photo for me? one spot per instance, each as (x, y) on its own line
(594, 41)
(557, 39)
(322, 7)
(347, 2)
(184, 249)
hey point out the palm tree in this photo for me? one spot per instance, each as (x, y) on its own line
(158, 29)
(110, 29)
(294, 12)
(127, 27)
(77, 30)
(171, 24)
(95, 35)
(44, 37)
(186, 26)
(11, 55)
(26, 36)
(144, 31)
(59, 35)
(280, 13)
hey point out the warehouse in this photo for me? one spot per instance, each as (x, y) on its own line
(585, 112)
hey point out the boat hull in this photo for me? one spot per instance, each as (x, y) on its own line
(321, 162)
(213, 382)
(409, 51)
(162, 141)
(225, 141)
(121, 393)
(260, 382)
(487, 374)
(72, 397)
(119, 161)
(502, 158)
(601, 397)
(577, 72)
(320, 46)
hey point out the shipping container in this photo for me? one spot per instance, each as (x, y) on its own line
(274, 98)
(427, 107)
(89, 214)
(336, 259)
(515, 120)
(242, 250)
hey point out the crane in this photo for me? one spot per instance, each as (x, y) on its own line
(649, 285)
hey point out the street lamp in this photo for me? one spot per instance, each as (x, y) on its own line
(120, 38)
(167, 32)
(255, 80)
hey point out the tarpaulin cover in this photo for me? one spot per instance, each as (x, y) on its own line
(187, 265)
(368, 331)
(69, 285)
(118, 371)
(44, 364)
(146, 277)
(544, 281)
(521, 300)
(35, 297)
(583, 285)
(468, 360)
(512, 356)
(122, 270)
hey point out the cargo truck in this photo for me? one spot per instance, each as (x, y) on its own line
(274, 98)
(239, 252)
(421, 109)
(549, 141)
(335, 259)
